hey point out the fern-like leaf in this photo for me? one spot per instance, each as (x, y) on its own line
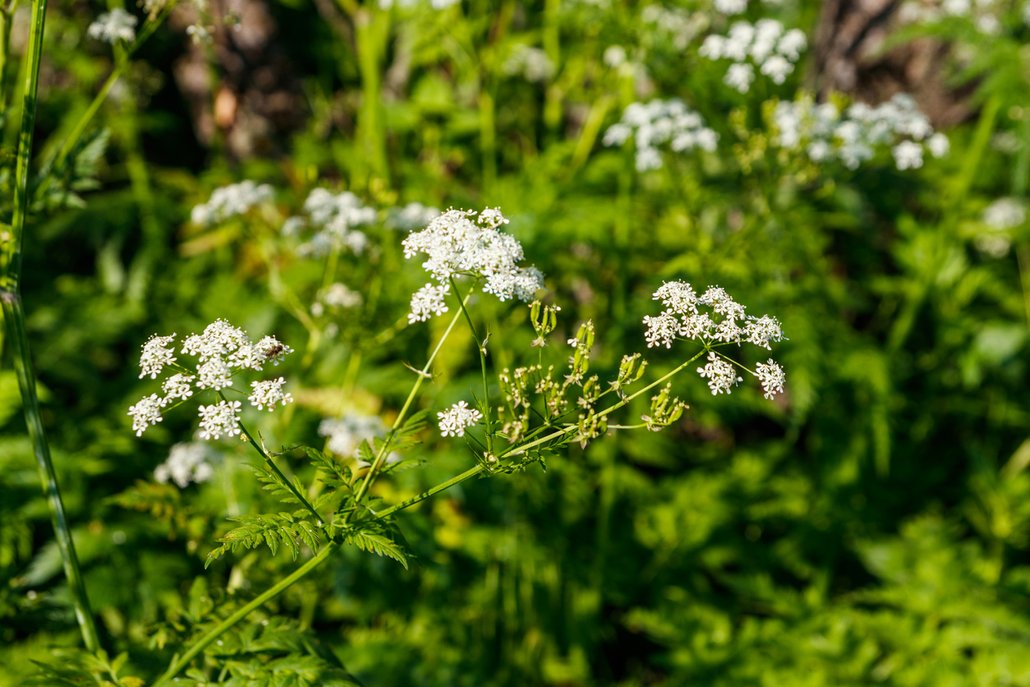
(274, 530)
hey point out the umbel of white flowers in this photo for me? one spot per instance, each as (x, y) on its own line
(221, 351)
(714, 319)
(469, 243)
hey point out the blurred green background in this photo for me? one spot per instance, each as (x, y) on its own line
(868, 527)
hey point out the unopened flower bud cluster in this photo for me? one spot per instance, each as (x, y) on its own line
(714, 319)
(659, 124)
(765, 47)
(221, 351)
(824, 134)
(468, 243)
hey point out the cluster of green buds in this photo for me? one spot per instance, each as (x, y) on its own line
(664, 411)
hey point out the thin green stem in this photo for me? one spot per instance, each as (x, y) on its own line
(5, 51)
(14, 320)
(275, 468)
(442, 486)
(423, 374)
(121, 64)
(481, 350)
(180, 662)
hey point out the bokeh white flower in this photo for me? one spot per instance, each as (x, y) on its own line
(111, 27)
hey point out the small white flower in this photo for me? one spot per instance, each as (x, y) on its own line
(761, 331)
(721, 375)
(679, 296)
(221, 418)
(214, 374)
(269, 393)
(428, 301)
(177, 387)
(458, 418)
(719, 301)
(111, 27)
(146, 413)
(772, 378)
(661, 330)
(155, 356)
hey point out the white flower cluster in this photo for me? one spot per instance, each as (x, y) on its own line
(335, 218)
(999, 218)
(344, 435)
(458, 418)
(764, 46)
(824, 134)
(985, 15)
(221, 351)
(714, 318)
(111, 27)
(336, 296)
(230, 201)
(411, 216)
(682, 26)
(1005, 213)
(435, 4)
(467, 243)
(659, 123)
(530, 63)
(186, 463)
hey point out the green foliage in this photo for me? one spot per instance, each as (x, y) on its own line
(288, 530)
(870, 526)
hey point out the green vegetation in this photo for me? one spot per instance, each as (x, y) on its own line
(385, 456)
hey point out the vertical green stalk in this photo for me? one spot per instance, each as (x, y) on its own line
(371, 30)
(14, 320)
(6, 18)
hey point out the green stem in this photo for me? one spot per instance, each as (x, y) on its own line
(14, 320)
(180, 662)
(275, 468)
(14, 317)
(442, 486)
(384, 448)
(120, 65)
(481, 350)
(5, 50)
(371, 30)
